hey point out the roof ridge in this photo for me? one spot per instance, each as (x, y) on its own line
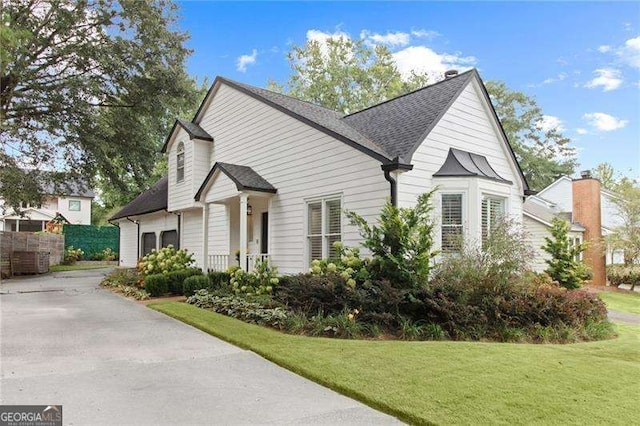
(411, 93)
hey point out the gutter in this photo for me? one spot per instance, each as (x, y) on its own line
(396, 166)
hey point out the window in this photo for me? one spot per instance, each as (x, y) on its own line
(74, 205)
(180, 163)
(324, 227)
(170, 238)
(576, 243)
(452, 226)
(148, 242)
(492, 214)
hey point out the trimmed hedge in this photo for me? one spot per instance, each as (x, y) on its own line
(218, 279)
(194, 283)
(176, 279)
(156, 285)
(624, 274)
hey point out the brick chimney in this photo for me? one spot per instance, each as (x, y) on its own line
(586, 210)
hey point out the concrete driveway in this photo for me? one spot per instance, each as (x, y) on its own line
(108, 360)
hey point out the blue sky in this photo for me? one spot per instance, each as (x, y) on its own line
(581, 61)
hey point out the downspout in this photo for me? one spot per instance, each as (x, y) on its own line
(397, 165)
(138, 239)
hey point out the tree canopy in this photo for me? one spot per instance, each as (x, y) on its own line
(92, 85)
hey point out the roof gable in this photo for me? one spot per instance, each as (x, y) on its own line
(193, 130)
(245, 178)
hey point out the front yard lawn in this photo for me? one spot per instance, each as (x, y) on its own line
(623, 302)
(65, 268)
(454, 382)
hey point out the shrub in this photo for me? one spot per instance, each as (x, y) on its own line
(194, 283)
(156, 285)
(72, 255)
(401, 244)
(135, 292)
(239, 308)
(624, 274)
(347, 264)
(176, 279)
(123, 277)
(563, 265)
(260, 281)
(108, 254)
(219, 279)
(309, 293)
(165, 260)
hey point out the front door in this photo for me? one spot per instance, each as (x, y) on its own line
(264, 237)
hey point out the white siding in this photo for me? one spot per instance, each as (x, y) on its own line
(300, 161)
(220, 188)
(536, 233)
(154, 222)
(561, 193)
(128, 245)
(196, 167)
(468, 126)
(191, 238)
(82, 217)
(609, 212)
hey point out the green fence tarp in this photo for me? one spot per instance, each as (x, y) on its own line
(92, 239)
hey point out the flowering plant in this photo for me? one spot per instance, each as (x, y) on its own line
(347, 263)
(165, 260)
(260, 281)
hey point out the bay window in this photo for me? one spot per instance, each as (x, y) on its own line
(452, 225)
(493, 210)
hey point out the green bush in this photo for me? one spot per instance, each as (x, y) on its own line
(72, 255)
(624, 274)
(176, 279)
(219, 279)
(156, 285)
(311, 294)
(239, 308)
(121, 277)
(258, 282)
(165, 260)
(563, 265)
(195, 283)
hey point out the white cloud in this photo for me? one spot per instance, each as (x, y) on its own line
(549, 122)
(245, 60)
(424, 59)
(607, 78)
(424, 33)
(581, 131)
(604, 122)
(604, 48)
(630, 52)
(388, 39)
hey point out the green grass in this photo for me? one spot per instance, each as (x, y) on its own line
(65, 268)
(623, 302)
(454, 382)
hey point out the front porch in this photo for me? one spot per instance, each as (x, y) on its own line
(235, 218)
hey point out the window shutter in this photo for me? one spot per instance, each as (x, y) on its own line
(315, 231)
(334, 226)
(451, 222)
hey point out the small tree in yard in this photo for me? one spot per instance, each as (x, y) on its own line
(564, 265)
(401, 244)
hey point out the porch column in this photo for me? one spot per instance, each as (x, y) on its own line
(244, 198)
(205, 237)
(17, 225)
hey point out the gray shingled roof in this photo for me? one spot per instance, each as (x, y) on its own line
(152, 200)
(194, 130)
(547, 215)
(244, 177)
(401, 124)
(70, 187)
(463, 163)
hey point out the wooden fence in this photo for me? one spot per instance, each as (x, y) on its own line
(26, 241)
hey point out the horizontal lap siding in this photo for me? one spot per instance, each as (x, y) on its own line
(536, 233)
(300, 161)
(191, 238)
(128, 245)
(181, 194)
(153, 222)
(466, 126)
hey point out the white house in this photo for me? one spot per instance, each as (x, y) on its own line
(72, 201)
(269, 176)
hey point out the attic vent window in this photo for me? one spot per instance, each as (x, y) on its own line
(180, 163)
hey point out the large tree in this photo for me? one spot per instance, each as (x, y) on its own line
(88, 86)
(345, 75)
(543, 151)
(348, 75)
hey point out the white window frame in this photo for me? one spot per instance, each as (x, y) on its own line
(79, 205)
(180, 150)
(491, 196)
(325, 246)
(463, 212)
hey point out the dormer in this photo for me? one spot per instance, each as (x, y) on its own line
(187, 147)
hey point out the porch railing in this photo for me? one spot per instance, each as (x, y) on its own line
(253, 259)
(218, 262)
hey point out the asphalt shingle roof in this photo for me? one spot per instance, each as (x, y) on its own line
(195, 131)
(547, 214)
(152, 200)
(244, 177)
